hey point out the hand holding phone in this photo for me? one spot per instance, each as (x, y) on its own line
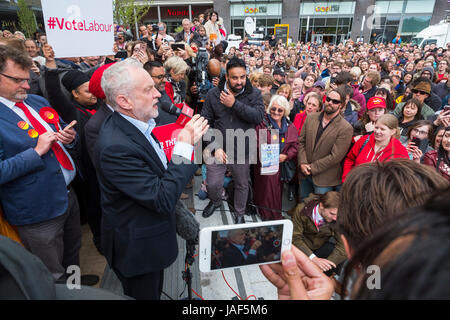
(223, 246)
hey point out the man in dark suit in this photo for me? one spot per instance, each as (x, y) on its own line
(187, 35)
(235, 255)
(139, 187)
(36, 170)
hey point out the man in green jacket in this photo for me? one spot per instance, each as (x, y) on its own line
(315, 232)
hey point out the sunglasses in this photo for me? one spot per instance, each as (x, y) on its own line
(279, 110)
(419, 92)
(334, 101)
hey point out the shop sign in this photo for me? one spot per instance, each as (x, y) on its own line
(333, 8)
(262, 9)
(178, 13)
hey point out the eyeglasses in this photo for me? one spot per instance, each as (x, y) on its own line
(160, 77)
(279, 110)
(419, 132)
(419, 92)
(16, 80)
(334, 101)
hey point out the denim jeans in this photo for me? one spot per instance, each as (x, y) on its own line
(307, 186)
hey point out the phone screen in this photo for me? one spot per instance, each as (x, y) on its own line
(245, 246)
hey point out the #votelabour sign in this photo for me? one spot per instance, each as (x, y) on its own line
(79, 28)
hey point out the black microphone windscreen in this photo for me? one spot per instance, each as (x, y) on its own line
(187, 226)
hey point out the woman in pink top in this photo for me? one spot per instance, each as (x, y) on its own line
(313, 103)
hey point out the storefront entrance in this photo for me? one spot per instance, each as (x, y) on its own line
(324, 38)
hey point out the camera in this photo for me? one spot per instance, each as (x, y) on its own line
(155, 27)
(201, 73)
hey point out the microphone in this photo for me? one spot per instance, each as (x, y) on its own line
(184, 115)
(187, 226)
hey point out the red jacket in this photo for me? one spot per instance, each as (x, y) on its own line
(354, 158)
(299, 120)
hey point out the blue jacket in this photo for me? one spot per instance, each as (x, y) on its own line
(32, 188)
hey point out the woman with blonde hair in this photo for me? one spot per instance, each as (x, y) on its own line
(285, 90)
(176, 70)
(381, 145)
(268, 188)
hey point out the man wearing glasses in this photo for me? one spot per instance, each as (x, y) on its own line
(158, 74)
(36, 170)
(323, 143)
(421, 91)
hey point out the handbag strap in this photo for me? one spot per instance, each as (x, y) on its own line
(364, 144)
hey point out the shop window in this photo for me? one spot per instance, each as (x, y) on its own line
(415, 24)
(237, 23)
(260, 23)
(332, 22)
(318, 22)
(392, 20)
(420, 6)
(384, 7)
(344, 21)
(273, 22)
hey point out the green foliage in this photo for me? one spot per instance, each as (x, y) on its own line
(124, 11)
(27, 21)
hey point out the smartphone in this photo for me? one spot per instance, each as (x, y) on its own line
(313, 65)
(446, 108)
(121, 55)
(241, 245)
(176, 46)
(422, 144)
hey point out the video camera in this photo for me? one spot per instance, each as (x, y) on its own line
(201, 73)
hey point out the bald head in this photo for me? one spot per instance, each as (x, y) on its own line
(214, 68)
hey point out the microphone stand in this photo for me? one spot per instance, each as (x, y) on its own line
(189, 260)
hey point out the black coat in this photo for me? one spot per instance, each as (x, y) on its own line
(138, 199)
(246, 113)
(233, 257)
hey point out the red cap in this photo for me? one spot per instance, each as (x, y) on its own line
(95, 84)
(376, 102)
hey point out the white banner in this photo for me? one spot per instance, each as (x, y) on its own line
(79, 28)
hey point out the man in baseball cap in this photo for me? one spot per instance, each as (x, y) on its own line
(279, 78)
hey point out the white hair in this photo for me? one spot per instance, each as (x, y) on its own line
(117, 80)
(282, 102)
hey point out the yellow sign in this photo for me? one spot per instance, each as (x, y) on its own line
(282, 31)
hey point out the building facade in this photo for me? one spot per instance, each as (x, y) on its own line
(335, 21)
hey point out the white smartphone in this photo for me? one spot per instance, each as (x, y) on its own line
(240, 245)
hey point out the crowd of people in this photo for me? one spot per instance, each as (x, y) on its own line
(343, 115)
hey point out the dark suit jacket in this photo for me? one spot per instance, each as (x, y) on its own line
(179, 37)
(138, 199)
(325, 157)
(233, 257)
(92, 129)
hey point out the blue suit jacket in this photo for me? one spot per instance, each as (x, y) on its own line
(138, 199)
(32, 188)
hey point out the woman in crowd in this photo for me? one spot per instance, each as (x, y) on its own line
(313, 103)
(285, 90)
(375, 107)
(411, 112)
(437, 137)
(381, 145)
(176, 69)
(387, 96)
(268, 188)
(213, 27)
(420, 130)
(439, 158)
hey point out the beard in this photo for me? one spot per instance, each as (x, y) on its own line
(234, 89)
(329, 109)
(19, 96)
